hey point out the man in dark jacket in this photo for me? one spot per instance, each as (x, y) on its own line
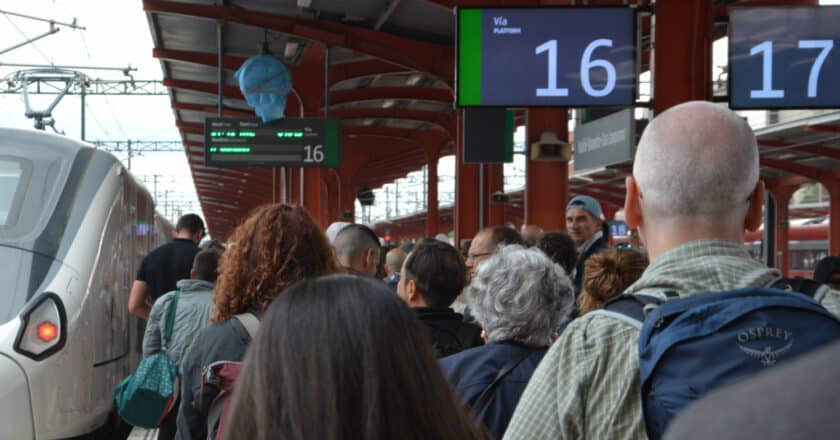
(431, 278)
(584, 222)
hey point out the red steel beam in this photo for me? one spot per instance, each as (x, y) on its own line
(203, 87)
(433, 58)
(232, 112)
(828, 128)
(209, 59)
(795, 168)
(807, 148)
(383, 93)
(338, 72)
(598, 195)
(442, 120)
(360, 69)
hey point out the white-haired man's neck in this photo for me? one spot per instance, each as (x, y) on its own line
(662, 235)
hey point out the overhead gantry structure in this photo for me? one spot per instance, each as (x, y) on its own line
(386, 69)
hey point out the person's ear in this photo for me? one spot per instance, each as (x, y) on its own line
(632, 203)
(753, 219)
(372, 258)
(411, 291)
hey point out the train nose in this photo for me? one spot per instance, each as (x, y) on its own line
(15, 407)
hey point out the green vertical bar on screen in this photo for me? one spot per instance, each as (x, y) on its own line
(509, 129)
(332, 140)
(469, 57)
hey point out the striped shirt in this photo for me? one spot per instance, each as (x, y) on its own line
(587, 385)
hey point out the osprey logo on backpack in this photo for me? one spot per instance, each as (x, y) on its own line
(765, 352)
(690, 346)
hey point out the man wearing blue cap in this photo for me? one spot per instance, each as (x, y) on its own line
(584, 224)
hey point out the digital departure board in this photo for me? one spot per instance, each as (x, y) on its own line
(304, 142)
(784, 57)
(532, 57)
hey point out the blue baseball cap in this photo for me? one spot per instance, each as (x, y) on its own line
(587, 204)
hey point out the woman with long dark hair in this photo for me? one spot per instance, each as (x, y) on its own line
(274, 248)
(342, 357)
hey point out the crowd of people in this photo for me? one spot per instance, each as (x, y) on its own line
(519, 335)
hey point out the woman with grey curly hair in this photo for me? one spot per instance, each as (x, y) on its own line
(519, 296)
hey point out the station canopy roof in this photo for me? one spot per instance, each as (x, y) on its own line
(391, 75)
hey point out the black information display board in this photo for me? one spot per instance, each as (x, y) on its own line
(304, 142)
(784, 57)
(559, 56)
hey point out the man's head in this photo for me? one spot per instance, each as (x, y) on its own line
(695, 176)
(531, 234)
(333, 229)
(560, 248)
(827, 271)
(433, 275)
(357, 248)
(394, 260)
(205, 266)
(485, 243)
(583, 218)
(190, 226)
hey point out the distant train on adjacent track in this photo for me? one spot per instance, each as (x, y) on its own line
(74, 226)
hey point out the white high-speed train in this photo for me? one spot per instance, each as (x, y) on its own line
(74, 226)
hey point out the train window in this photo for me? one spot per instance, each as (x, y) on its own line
(11, 179)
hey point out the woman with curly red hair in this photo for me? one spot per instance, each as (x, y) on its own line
(274, 248)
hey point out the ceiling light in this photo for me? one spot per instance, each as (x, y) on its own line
(291, 49)
(414, 79)
(304, 3)
(388, 103)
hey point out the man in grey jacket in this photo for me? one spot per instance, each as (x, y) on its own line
(192, 314)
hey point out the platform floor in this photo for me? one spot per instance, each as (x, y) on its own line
(143, 434)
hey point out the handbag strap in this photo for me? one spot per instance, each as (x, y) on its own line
(170, 319)
(250, 322)
(484, 398)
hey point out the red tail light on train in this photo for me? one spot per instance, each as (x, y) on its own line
(43, 328)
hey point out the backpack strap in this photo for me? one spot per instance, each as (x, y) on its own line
(802, 285)
(484, 397)
(170, 320)
(631, 308)
(214, 414)
(250, 322)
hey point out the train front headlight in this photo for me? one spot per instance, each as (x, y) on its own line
(43, 327)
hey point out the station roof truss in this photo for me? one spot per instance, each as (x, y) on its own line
(391, 76)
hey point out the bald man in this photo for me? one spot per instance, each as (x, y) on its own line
(531, 234)
(393, 265)
(695, 189)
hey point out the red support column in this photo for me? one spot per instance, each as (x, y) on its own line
(609, 210)
(833, 187)
(546, 183)
(466, 188)
(312, 193)
(682, 52)
(347, 199)
(781, 195)
(432, 211)
(293, 174)
(329, 196)
(494, 180)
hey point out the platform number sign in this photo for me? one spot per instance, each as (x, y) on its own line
(546, 57)
(303, 142)
(784, 57)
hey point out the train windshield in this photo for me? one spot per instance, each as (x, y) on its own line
(11, 186)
